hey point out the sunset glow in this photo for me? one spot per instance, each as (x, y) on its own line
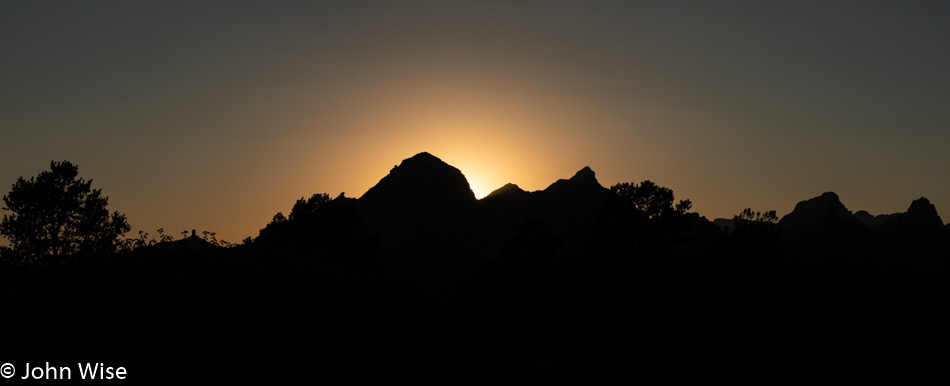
(212, 125)
(294, 192)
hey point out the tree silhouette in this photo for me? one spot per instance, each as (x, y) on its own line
(56, 214)
(638, 220)
(753, 234)
(756, 223)
(649, 198)
(308, 207)
(317, 226)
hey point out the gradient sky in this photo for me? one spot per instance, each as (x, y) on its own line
(216, 115)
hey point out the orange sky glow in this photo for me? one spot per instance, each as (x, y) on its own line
(193, 117)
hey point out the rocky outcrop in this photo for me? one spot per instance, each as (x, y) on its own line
(567, 208)
(823, 215)
(423, 186)
(507, 191)
(724, 223)
(921, 221)
(420, 212)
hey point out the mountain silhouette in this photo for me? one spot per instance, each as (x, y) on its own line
(508, 189)
(568, 208)
(872, 221)
(724, 223)
(421, 213)
(921, 221)
(923, 215)
(584, 179)
(420, 185)
(824, 215)
(418, 277)
(424, 211)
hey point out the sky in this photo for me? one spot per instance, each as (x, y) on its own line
(217, 115)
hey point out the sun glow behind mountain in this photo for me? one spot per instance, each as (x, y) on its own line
(190, 117)
(489, 125)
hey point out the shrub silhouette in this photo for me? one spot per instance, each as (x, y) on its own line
(145, 239)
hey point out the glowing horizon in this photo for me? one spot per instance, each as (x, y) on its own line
(225, 119)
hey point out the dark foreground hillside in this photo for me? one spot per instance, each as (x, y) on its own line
(572, 284)
(740, 312)
(244, 314)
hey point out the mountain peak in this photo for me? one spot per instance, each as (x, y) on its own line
(423, 159)
(824, 213)
(421, 183)
(583, 178)
(829, 197)
(922, 204)
(585, 174)
(424, 156)
(923, 214)
(506, 190)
